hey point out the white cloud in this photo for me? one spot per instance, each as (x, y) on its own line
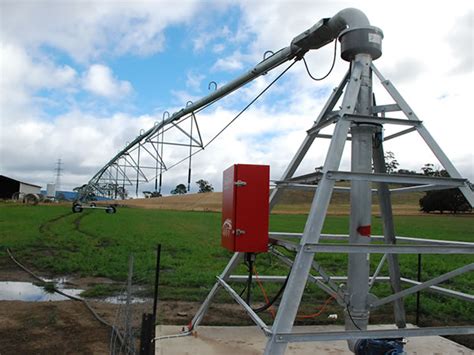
(204, 39)
(461, 39)
(83, 141)
(231, 63)
(218, 48)
(19, 69)
(193, 80)
(86, 30)
(100, 80)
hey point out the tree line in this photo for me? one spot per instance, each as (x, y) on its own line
(447, 200)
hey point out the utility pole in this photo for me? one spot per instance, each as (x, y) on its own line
(58, 171)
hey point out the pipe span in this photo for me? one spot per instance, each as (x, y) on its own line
(316, 37)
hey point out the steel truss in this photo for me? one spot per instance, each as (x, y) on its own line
(367, 147)
(358, 120)
(142, 160)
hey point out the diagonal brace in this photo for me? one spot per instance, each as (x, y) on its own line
(423, 285)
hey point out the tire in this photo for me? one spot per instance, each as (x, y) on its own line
(110, 210)
(31, 199)
(93, 204)
(76, 208)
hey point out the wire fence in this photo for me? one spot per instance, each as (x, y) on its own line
(123, 341)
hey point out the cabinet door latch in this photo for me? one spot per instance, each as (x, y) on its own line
(239, 183)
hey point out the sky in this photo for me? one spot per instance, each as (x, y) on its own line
(80, 79)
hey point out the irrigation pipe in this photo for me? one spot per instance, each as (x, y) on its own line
(74, 298)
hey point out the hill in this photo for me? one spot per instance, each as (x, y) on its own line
(290, 202)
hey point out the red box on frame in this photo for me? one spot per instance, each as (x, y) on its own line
(245, 208)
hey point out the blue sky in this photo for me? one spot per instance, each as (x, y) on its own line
(80, 79)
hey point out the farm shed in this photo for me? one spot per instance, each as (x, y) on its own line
(9, 186)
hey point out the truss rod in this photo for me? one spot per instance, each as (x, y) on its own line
(258, 321)
(401, 133)
(372, 334)
(285, 235)
(422, 286)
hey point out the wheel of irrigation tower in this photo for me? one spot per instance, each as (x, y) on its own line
(110, 210)
(76, 208)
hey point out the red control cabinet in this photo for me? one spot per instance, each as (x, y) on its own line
(245, 208)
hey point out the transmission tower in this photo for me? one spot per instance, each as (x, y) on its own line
(58, 170)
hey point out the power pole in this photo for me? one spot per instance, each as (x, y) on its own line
(58, 171)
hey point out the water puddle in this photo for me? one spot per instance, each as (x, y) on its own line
(29, 292)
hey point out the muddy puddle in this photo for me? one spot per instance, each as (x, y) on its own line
(29, 292)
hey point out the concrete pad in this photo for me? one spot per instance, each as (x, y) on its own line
(251, 341)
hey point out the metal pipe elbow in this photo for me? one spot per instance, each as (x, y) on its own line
(348, 18)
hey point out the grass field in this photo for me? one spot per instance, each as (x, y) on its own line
(93, 243)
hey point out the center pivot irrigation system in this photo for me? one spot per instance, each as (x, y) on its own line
(359, 120)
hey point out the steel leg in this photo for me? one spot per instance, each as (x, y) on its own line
(357, 310)
(388, 230)
(297, 280)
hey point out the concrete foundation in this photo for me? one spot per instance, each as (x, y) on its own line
(251, 341)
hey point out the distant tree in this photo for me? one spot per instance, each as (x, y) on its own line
(204, 186)
(391, 164)
(430, 170)
(451, 200)
(179, 190)
(407, 172)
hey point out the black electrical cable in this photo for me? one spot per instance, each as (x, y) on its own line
(236, 116)
(275, 298)
(248, 257)
(350, 316)
(330, 70)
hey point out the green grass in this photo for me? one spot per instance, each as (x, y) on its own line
(93, 243)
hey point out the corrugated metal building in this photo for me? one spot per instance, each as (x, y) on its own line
(9, 186)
